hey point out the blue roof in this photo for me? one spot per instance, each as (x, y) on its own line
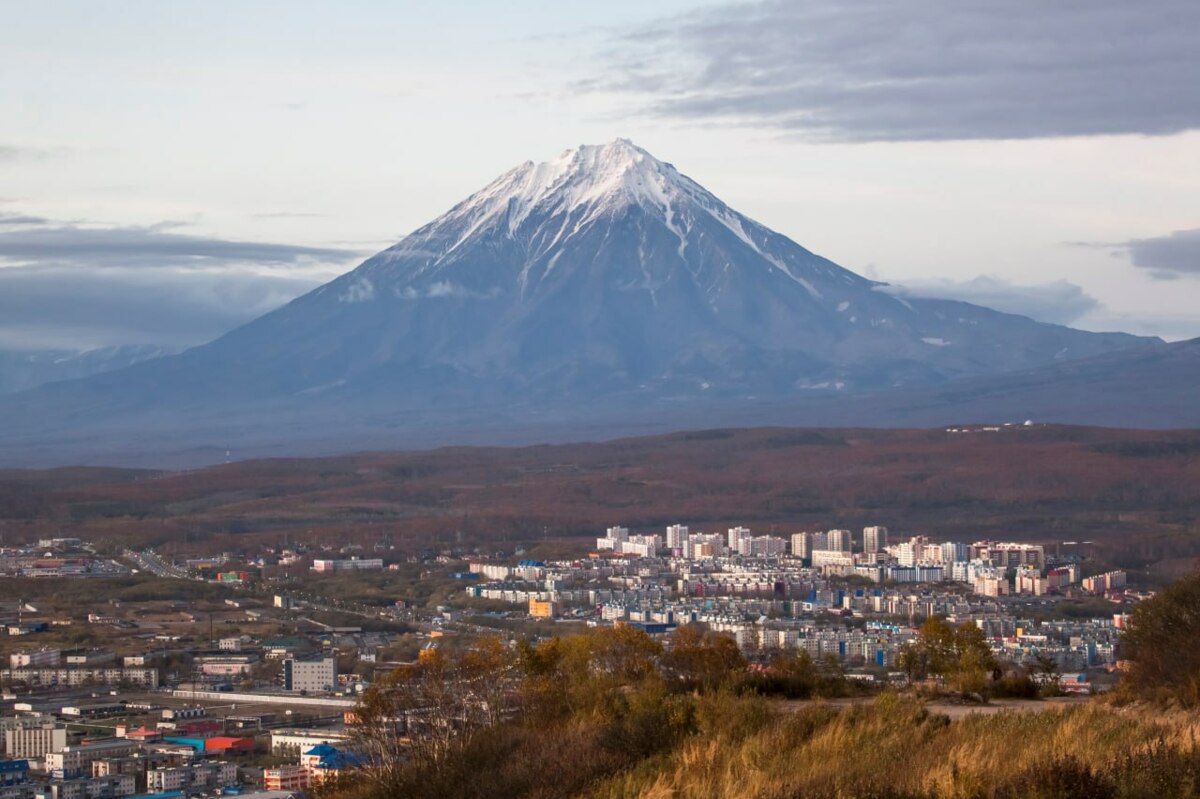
(322, 750)
(331, 757)
(339, 760)
(13, 765)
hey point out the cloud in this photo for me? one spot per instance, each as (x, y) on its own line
(23, 219)
(286, 215)
(71, 308)
(1167, 257)
(440, 289)
(10, 152)
(68, 285)
(880, 70)
(149, 246)
(1059, 302)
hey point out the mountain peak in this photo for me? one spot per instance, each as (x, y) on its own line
(600, 176)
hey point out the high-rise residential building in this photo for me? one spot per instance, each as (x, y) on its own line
(676, 535)
(735, 536)
(954, 551)
(802, 545)
(910, 552)
(1009, 555)
(875, 538)
(840, 540)
(820, 540)
(700, 545)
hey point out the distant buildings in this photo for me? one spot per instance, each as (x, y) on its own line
(78, 677)
(1103, 583)
(39, 659)
(618, 539)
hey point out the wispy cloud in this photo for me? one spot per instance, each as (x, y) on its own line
(1060, 302)
(70, 285)
(71, 308)
(880, 70)
(23, 219)
(157, 245)
(16, 152)
(286, 215)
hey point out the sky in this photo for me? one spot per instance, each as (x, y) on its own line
(169, 171)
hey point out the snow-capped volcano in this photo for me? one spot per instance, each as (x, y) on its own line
(606, 269)
(545, 206)
(601, 279)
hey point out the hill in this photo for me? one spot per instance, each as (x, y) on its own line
(1135, 493)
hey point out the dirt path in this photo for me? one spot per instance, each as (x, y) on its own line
(954, 710)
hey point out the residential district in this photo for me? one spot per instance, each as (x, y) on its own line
(242, 677)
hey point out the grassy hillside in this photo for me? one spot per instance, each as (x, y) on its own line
(613, 713)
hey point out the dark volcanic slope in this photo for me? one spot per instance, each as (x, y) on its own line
(602, 282)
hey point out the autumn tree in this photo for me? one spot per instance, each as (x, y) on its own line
(700, 659)
(419, 710)
(957, 655)
(1162, 645)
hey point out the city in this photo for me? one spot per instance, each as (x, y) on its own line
(245, 689)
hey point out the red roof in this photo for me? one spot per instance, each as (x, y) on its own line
(223, 742)
(142, 732)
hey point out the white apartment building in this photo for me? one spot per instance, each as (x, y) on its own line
(293, 742)
(819, 540)
(31, 739)
(94, 788)
(317, 675)
(352, 564)
(701, 545)
(840, 540)
(77, 677)
(833, 561)
(875, 539)
(75, 760)
(38, 659)
(492, 571)
(1009, 555)
(676, 535)
(195, 775)
(734, 538)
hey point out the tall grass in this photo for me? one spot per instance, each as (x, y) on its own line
(893, 747)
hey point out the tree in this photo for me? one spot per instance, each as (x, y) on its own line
(1162, 643)
(1046, 667)
(701, 659)
(418, 711)
(958, 656)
